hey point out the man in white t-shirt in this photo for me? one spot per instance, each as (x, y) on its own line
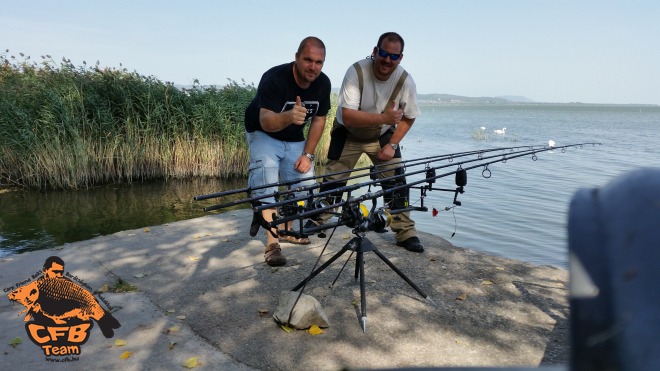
(377, 106)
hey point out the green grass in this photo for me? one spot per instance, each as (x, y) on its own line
(122, 286)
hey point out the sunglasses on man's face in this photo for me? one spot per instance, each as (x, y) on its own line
(383, 54)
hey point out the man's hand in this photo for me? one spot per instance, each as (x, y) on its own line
(386, 153)
(303, 164)
(298, 112)
(392, 116)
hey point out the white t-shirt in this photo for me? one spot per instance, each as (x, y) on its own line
(376, 93)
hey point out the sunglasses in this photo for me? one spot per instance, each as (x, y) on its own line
(383, 54)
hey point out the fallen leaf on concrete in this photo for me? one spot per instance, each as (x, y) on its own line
(104, 288)
(120, 343)
(173, 329)
(191, 362)
(462, 296)
(286, 328)
(15, 341)
(139, 275)
(172, 344)
(194, 258)
(147, 230)
(125, 355)
(262, 311)
(315, 330)
(486, 282)
(171, 311)
(181, 317)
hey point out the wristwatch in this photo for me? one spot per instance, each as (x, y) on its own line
(395, 146)
(310, 156)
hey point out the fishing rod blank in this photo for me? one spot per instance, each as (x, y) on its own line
(409, 163)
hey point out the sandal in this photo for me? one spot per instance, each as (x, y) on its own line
(273, 255)
(296, 241)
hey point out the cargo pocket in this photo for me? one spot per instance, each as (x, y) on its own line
(256, 177)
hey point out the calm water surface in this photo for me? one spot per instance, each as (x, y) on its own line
(33, 221)
(520, 212)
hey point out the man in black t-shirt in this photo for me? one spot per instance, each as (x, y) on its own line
(288, 97)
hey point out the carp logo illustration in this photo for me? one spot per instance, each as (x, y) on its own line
(60, 312)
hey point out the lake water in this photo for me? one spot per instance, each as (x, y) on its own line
(519, 212)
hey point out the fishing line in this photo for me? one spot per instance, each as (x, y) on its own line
(435, 212)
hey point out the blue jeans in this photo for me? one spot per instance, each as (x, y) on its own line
(272, 160)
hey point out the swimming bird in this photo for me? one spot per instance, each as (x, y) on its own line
(500, 131)
(551, 143)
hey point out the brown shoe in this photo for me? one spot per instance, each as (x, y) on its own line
(296, 241)
(273, 255)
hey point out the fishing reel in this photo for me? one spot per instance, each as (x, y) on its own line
(352, 214)
(376, 221)
(290, 208)
(358, 217)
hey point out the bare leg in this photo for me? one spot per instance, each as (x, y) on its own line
(268, 217)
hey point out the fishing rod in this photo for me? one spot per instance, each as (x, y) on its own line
(313, 204)
(373, 169)
(293, 209)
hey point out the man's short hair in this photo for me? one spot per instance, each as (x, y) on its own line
(53, 259)
(390, 36)
(314, 41)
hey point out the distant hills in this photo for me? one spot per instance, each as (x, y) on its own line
(457, 99)
(448, 99)
(517, 98)
(426, 99)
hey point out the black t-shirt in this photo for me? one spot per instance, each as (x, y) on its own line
(277, 91)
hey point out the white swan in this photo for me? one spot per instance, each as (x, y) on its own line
(500, 131)
(551, 143)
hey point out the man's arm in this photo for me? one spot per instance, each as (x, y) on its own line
(304, 163)
(387, 152)
(315, 133)
(275, 121)
(361, 119)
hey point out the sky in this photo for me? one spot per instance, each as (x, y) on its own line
(591, 51)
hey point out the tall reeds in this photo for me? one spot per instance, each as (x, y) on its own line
(63, 126)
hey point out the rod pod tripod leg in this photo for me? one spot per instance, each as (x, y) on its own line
(360, 245)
